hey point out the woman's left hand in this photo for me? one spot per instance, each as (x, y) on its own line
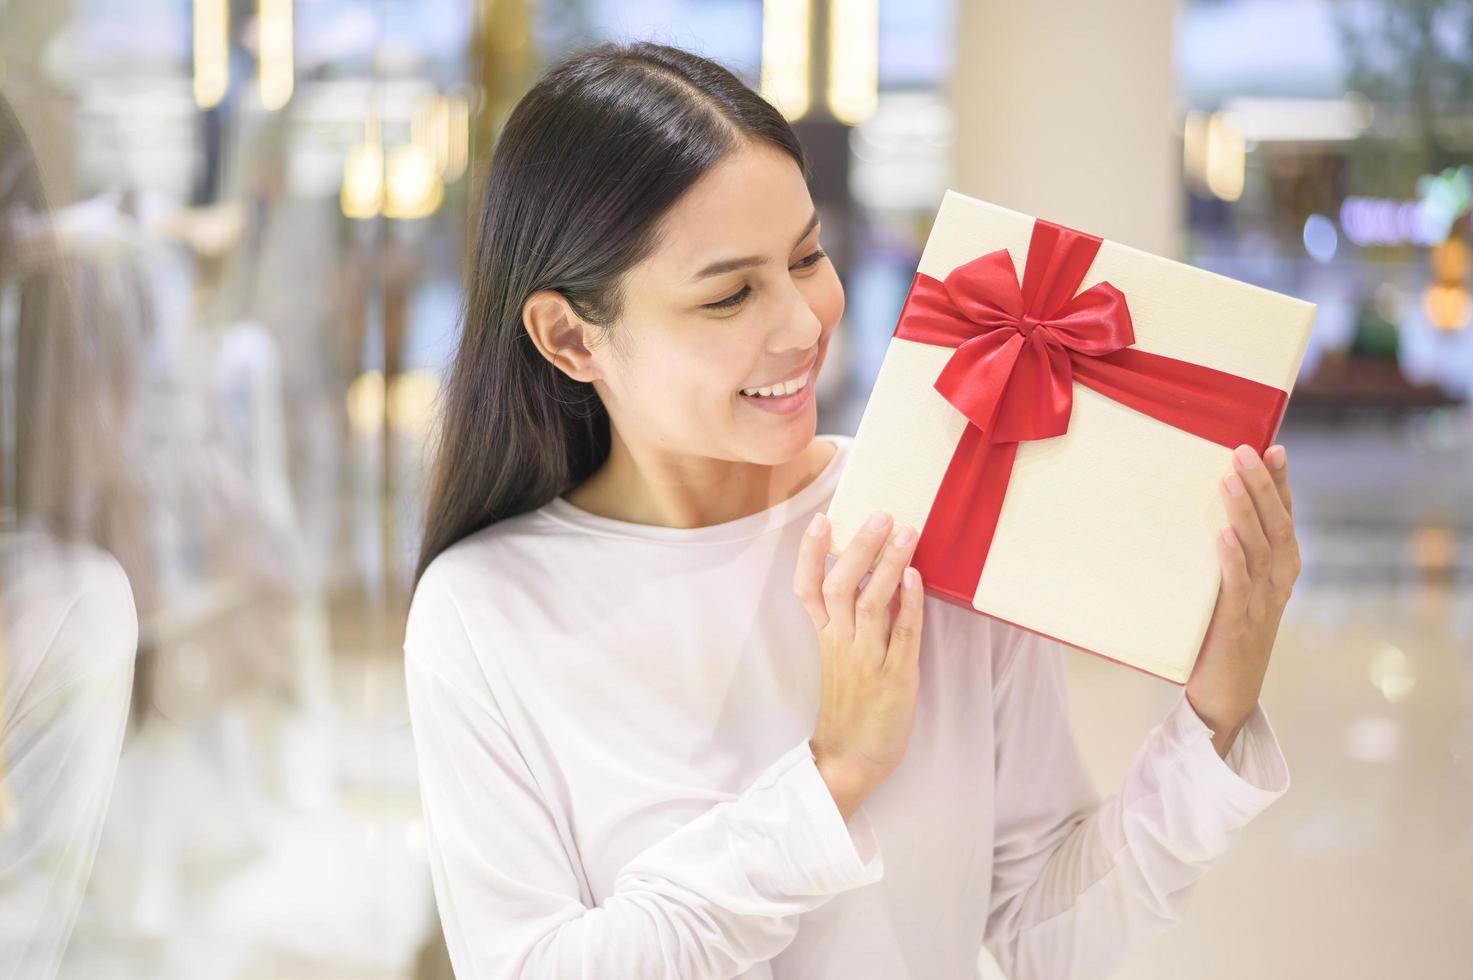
(1260, 561)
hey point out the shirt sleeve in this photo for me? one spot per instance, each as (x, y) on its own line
(722, 893)
(62, 724)
(1078, 881)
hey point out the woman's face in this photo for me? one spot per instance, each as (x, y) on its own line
(738, 294)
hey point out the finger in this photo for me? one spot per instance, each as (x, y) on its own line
(1243, 517)
(903, 652)
(872, 608)
(1272, 516)
(1277, 459)
(1236, 582)
(1278, 527)
(1285, 568)
(842, 581)
(808, 578)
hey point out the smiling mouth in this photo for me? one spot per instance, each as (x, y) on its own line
(787, 386)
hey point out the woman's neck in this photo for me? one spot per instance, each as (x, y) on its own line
(660, 491)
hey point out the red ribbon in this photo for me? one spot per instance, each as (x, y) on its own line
(1017, 354)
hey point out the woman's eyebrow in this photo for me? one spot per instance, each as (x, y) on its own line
(731, 265)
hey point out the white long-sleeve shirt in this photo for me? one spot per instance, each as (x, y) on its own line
(612, 726)
(68, 639)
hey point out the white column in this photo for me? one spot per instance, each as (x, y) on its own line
(1064, 111)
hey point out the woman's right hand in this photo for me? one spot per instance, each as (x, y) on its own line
(869, 641)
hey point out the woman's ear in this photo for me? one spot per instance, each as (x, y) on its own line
(561, 336)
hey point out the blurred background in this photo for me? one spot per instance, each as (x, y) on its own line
(263, 209)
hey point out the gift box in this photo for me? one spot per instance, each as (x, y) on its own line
(1054, 414)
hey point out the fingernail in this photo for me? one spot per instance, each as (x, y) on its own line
(904, 536)
(1247, 457)
(1234, 485)
(815, 525)
(877, 519)
(1276, 460)
(908, 577)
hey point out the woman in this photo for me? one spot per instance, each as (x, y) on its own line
(658, 735)
(68, 622)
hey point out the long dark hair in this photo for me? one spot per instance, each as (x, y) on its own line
(591, 158)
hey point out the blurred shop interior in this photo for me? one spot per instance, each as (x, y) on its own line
(263, 209)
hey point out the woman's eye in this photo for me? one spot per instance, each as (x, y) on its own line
(731, 300)
(736, 298)
(812, 259)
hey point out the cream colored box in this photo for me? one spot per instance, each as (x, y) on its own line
(1104, 540)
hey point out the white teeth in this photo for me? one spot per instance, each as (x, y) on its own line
(785, 388)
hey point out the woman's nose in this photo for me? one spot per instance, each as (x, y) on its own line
(799, 324)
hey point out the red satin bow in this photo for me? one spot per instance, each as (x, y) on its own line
(1018, 352)
(1013, 346)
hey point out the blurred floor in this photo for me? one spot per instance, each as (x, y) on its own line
(270, 839)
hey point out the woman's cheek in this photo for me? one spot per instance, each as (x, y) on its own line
(829, 306)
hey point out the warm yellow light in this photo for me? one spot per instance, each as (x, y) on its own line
(1449, 260)
(460, 136)
(427, 128)
(1391, 673)
(412, 402)
(1446, 307)
(362, 194)
(442, 126)
(412, 185)
(785, 55)
(854, 59)
(1194, 147)
(211, 52)
(1434, 549)
(366, 402)
(407, 405)
(363, 181)
(1226, 158)
(277, 70)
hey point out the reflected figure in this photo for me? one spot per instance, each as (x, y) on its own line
(68, 623)
(144, 429)
(70, 634)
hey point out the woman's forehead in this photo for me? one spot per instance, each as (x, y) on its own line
(762, 209)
